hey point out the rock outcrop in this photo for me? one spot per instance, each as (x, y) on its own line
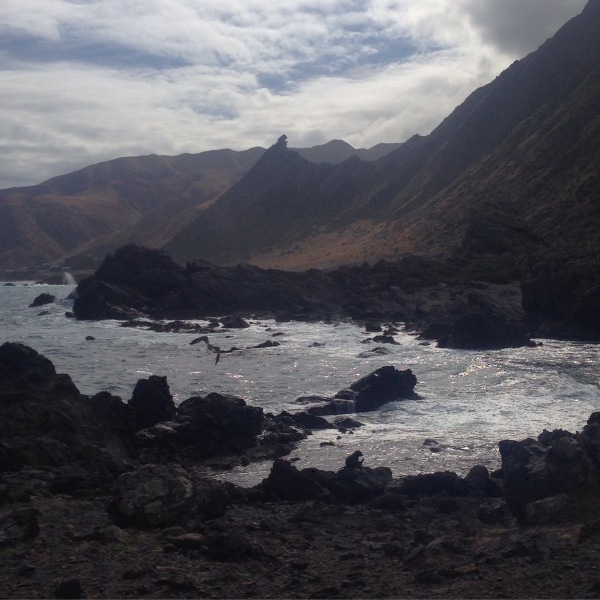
(386, 384)
(45, 423)
(555, 476)
(484, 331)
(136, 282)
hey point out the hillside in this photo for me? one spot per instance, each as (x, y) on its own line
(41, 223)
(513, 170)
(76, 219)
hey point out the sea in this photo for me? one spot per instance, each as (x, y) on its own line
(468, 400)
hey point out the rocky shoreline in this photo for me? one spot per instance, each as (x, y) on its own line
(105, 498)
(137, 283)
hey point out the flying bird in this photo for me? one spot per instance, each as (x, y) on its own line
(209, 346)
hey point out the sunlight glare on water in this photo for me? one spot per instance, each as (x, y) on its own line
(468, 400)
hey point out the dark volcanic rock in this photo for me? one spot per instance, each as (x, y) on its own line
(348, 485)
(42, 299)
(383, 385)
(561, 295)
(369, 393)
(287, 483)
(205, 427)
(433, 484)
(19, 526)
(161, 496)
(69, 589)
(565, 465)
(152, 402)
(137, 282)
(234, 322)
(220, 424)
(352, 486)
(484, 331)
(45, 423)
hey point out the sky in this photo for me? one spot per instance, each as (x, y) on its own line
(84, 81)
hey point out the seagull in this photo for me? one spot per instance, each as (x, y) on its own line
(209, 346)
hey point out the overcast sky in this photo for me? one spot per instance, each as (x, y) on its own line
(83, 81)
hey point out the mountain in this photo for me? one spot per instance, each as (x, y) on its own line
(511, 172)
(78, 218)
(337, 151)
(42, 223)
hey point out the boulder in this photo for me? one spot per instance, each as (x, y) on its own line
(357, 485)
(288, 483)
(166, 495)
(267, 344)
(115, 413)
(479, 476)
(534, 472)
(386, 384)
(348, 485)
(152, 402)
(433, 484)
(385, 339)
(219, 424)
(69, 589)
(47, 424)
(42, 299)
(18, 360)
(234, 322)
(309, 421)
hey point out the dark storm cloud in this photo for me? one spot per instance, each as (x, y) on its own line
(518, 27)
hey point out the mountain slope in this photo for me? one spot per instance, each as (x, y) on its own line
(502, 175)
(41, 223)
(82, 216)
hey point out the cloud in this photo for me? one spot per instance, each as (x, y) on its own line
(89, 80)
(518, 27)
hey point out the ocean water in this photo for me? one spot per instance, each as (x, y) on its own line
(469, 399)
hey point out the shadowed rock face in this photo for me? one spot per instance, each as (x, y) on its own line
(561, 294)
(45, 422)
(386, 384)
(555, 476)
(152, 402)
(141, 282)
(480, 331)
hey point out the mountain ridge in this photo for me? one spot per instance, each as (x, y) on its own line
(81, 216)
(429, 194)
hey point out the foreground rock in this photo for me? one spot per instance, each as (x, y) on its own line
(46, 424)
(87, 508)
(554, 477)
